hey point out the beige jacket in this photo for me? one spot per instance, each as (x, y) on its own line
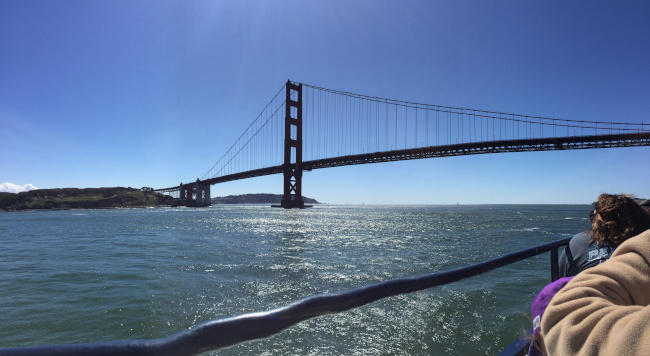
(604, 310)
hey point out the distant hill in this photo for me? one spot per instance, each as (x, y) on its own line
(261, 198)
(117, 197)
(88, 198)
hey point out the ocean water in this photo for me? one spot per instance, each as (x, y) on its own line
(100, 275)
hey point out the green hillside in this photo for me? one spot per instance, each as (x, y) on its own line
(88, 198)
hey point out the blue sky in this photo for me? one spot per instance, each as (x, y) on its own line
(151, 93)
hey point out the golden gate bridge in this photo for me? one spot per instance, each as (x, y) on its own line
(306, 127)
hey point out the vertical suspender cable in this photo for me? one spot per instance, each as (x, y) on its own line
(395, 125)
(328, 143)
(347, 123)
(459, 122)
(311, 123)
(320, 120)
(406, 123)
(437, 126)
(366, 132)
(334, 138)
(416, 126)
(386, 125)
(327, 123)
(427, 136)
(368, 129)
(357, 122)
(360, 120)
(341, 125)
(376, 126)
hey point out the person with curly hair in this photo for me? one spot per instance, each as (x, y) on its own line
(615, 218)
(604, 310)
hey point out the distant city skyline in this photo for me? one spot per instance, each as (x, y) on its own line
(151, 93)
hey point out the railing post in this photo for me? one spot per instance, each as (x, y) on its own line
(555, 268)
(292, 168)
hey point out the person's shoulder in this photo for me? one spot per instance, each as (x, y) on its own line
(582, 235)
(581, 238)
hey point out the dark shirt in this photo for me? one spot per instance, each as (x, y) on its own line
(581, 254)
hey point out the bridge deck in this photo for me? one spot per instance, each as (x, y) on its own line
(462, 149)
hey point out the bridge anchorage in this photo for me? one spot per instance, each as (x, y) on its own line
(305, 127)
(193, 195)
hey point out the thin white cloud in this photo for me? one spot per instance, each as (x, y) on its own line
(15, 188)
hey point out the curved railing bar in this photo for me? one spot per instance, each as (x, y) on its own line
(216, 334)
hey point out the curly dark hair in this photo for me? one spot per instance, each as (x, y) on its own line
(617, 218)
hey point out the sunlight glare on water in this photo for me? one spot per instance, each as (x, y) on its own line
(102, 275)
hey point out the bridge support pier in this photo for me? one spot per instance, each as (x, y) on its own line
(202, 194)
(184, 196)
(187, 192)
(292, 197)
(182, 193)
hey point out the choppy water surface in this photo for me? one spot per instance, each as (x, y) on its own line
(101, 275)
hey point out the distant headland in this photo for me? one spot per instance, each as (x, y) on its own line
(112, 198)
(86, 198)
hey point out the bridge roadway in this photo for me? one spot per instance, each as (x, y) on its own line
(461, 149)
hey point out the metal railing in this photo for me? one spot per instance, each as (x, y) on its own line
(216, 334)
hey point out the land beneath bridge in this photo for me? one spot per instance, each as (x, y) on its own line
(113, 198)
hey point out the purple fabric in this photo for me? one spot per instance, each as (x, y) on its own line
(539, 306)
